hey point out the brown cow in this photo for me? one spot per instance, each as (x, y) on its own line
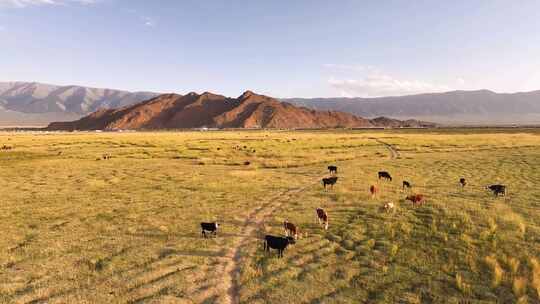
(291, 229)
(416, 199)
(373, 190)
(322, 216)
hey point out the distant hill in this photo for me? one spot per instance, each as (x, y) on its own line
(476, 107)
(250, 110)
(30, 103)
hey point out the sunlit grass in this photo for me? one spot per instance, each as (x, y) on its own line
(77, 228)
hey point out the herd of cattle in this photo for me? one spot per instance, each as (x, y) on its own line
(292, 231)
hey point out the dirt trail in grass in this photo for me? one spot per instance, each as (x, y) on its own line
(253, 224)
(393, 151)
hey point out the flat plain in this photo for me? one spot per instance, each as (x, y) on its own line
(78, 228)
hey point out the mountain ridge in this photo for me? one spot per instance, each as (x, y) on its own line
(479, 106)
(34, 103)
(209, 110)
(24, 102)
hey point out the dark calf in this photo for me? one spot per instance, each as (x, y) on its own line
(497, 189)
(385, 175)
(332, 169)
(463, 182)
(277, 242)
(407, 185)
(329, 181)
(209, 227)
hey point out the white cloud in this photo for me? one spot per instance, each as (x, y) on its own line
(383, 85)
(369, 81)
(148, 21)
(353, 68)
(28, 3)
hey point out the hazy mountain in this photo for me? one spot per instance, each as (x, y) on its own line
(25, 103)
(451, 107)
(250, 110)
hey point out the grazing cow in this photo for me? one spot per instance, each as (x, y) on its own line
(407, 185)
(247, 163)
(210, 227)
(463, 182)
(329, 181)
(291, 229)
(277, 242)
(332, 169)
(373, 190)
(322, 216)
(497, 189)
(385, 175)
(416, 199)
(388, 207)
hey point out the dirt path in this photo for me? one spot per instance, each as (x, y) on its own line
(394, 153)
(226, 290)
(252, 225)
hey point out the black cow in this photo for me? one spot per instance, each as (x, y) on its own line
(210, 227)
(277, 242)
(406, 184)
(332, 169)
(329, 181)
(463, 182)
(497, 189)
(385, 175)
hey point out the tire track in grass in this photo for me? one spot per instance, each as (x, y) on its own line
(253, 224)
(394, 153)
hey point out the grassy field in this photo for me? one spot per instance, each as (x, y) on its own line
(80, 229)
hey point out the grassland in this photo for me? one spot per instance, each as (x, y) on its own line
(80, 229)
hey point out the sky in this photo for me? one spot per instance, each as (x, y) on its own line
(282, 48)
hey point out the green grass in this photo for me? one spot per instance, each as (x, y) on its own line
(80, 229)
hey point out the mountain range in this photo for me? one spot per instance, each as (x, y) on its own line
(456, 107)
(31, 103)
(36, 104)
(208, 110)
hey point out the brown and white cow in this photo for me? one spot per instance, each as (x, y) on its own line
(322, 217)
(416, 199)
(291, 229)
(388, 207)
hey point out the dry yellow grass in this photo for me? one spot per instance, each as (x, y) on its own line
(81, 229)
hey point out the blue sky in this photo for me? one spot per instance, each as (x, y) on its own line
(284, 48)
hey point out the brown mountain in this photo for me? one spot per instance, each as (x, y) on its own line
(250, 110)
